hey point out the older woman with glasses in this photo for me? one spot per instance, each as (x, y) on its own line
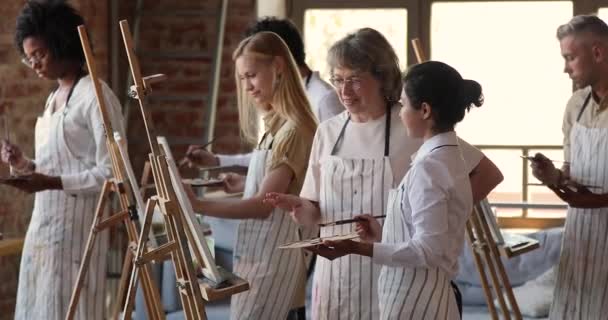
(71, 163)
(356, 158)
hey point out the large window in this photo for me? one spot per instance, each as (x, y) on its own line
(516, 58)
(323, 27)
(510, 47)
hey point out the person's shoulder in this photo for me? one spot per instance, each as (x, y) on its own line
(431, 170)
(578, 97)
(576, 101)
(333, 123)
(318, 84)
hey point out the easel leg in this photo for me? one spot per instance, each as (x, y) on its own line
(487, 255)
(143, 237)
(84, 266)
(506, 284)
(473, 243)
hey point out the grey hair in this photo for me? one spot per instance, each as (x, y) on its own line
(368, 50)
(583, 23)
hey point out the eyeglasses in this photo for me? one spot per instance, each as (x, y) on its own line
(339, 83)
(35, 59)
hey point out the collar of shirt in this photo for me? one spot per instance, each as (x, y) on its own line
(273, 122)
(434, 142)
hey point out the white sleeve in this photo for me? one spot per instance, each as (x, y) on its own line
(329, 106)
(472, 156)
(92, 179)
(239, 160)
(427, 193)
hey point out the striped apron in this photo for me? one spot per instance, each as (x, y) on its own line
(411, 293)
(57, 235)
(346, 288)
(582, 283)
(272, 273)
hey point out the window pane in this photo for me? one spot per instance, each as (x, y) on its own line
(511, 49)
(323, 27)
(603, 14)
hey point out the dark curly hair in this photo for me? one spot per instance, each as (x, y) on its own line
(442, 87)
(286, 30)
(54, 22)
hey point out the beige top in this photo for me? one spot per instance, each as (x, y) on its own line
(289, 146)
(594, 116)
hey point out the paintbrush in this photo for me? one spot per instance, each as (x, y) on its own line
(184, 161)
(534, 159)
(347, 221)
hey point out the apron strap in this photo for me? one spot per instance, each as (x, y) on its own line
(387, 130)
(307, 82)
(387, 134)
(264, 138)
(580, 113)
(340, 137)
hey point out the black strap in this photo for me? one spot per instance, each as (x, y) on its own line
(458, 296)
(387, 134)
(580, 113)
(264, 138)
(307, 80)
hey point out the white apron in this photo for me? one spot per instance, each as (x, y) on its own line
(57, 235)
(272, 273)
(582, 283)
(411, 293)
(346, 288)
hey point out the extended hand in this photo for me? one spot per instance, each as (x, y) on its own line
(369, 229)
(198, 156)
(544, 170)
(11, 154)
(294, 205)
(334, 249)
(287, 202)
(580, 197)
(35, 182)
(233, 182)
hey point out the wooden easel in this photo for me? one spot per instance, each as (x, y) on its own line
(120, 186)
(183, 237)
(487, 244)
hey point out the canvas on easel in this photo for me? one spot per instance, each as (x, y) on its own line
(218, 277)
(181, 239)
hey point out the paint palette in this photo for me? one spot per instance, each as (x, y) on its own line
(317, 241)
(197, 182)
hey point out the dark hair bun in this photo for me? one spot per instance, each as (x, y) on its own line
(471, 94)
(442, 87)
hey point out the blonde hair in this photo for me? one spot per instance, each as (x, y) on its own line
(289, 99)
(367, 50)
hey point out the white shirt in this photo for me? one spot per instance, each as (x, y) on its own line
(85, 135)
(323, 100)
(437, 202)
(365, 141)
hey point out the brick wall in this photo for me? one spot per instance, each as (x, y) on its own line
(178, 105)
(180, 121)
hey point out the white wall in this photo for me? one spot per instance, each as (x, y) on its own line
(271, 8)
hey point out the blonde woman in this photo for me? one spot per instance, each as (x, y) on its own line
(268, 84)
